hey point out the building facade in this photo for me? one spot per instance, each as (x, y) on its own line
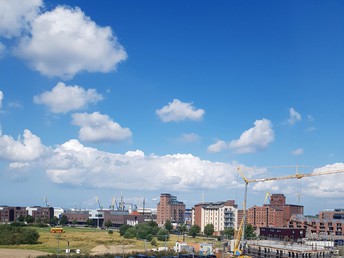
(169, 208)
(327, 228)
(221, 214)
(276, 214)
(13, 213)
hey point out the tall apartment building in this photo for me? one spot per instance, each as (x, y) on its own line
(169, 208)
(221, 214)
(275, 214)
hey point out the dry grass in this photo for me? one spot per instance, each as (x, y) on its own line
(86, 239)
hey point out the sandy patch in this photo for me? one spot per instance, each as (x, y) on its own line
(19, 253)
(113, 249)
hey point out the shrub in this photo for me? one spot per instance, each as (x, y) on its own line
(11, 235)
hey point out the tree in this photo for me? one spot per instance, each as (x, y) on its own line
(130, 233)
(182, 228)
(249, 231)
(168, 225)
(228, 233)
(90, 222)
(194, 230)
(54, 220)
(209, 230)
(64, 220)
(29, 219)
(21, 218)
(108, 224)
(163, 235)
(123, 229)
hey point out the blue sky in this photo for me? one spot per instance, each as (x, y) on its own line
(147, 97)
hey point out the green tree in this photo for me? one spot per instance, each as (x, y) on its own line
(168, 225)
(194, 230)
(64, 220)
(54, 220)
(108, 224)
(163, 235)
(130, 233)
(123, 229)
(249, 231)
(90, 222)
(182, 228)
(209, 230)
(29, 219)
(228, 233)
(21, 218)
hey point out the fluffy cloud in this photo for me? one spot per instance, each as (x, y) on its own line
(63, 99)
(75, 164)
(294, 116)
(179, 111)
(96, 127)
(64, 42)
(2, 50)
(23, 149)
(16, 15)
(298, 151)
(1, 98)
(255, 138)
(218, 146)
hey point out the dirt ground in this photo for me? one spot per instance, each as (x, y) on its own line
(100, 249)
(17, 253)
(112, 249)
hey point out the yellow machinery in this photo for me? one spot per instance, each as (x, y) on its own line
(240, 239)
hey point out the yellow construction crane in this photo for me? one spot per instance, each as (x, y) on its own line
(297, 175)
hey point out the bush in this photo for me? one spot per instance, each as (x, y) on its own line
(11, 235)
(110, 232)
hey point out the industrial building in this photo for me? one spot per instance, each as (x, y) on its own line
(13, 213)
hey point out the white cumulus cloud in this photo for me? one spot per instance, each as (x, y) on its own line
(16, 15)
(255, 138)
(97, 127)
(294, 116)
(25, 148)
(218, 146)
(63, 99)
(64, 42)
(76, 164)
(179, 111)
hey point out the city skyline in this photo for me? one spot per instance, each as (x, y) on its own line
(136, 98)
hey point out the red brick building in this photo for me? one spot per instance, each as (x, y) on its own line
(275, 214)
(169, 208)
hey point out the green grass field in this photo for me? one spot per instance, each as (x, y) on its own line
(86, 239)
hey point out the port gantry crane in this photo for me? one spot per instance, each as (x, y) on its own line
(238, 248)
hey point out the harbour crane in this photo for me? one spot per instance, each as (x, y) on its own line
(99, 203)
(297, 175)
(114, 204)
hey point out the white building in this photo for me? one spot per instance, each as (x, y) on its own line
(221, 214)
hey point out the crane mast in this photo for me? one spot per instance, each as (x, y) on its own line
(239, 248)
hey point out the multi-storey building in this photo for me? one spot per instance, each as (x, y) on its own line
(319, 227)
(169, 208)
(332, 214)
(10, 213)
(275, 214)
(221, 214)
